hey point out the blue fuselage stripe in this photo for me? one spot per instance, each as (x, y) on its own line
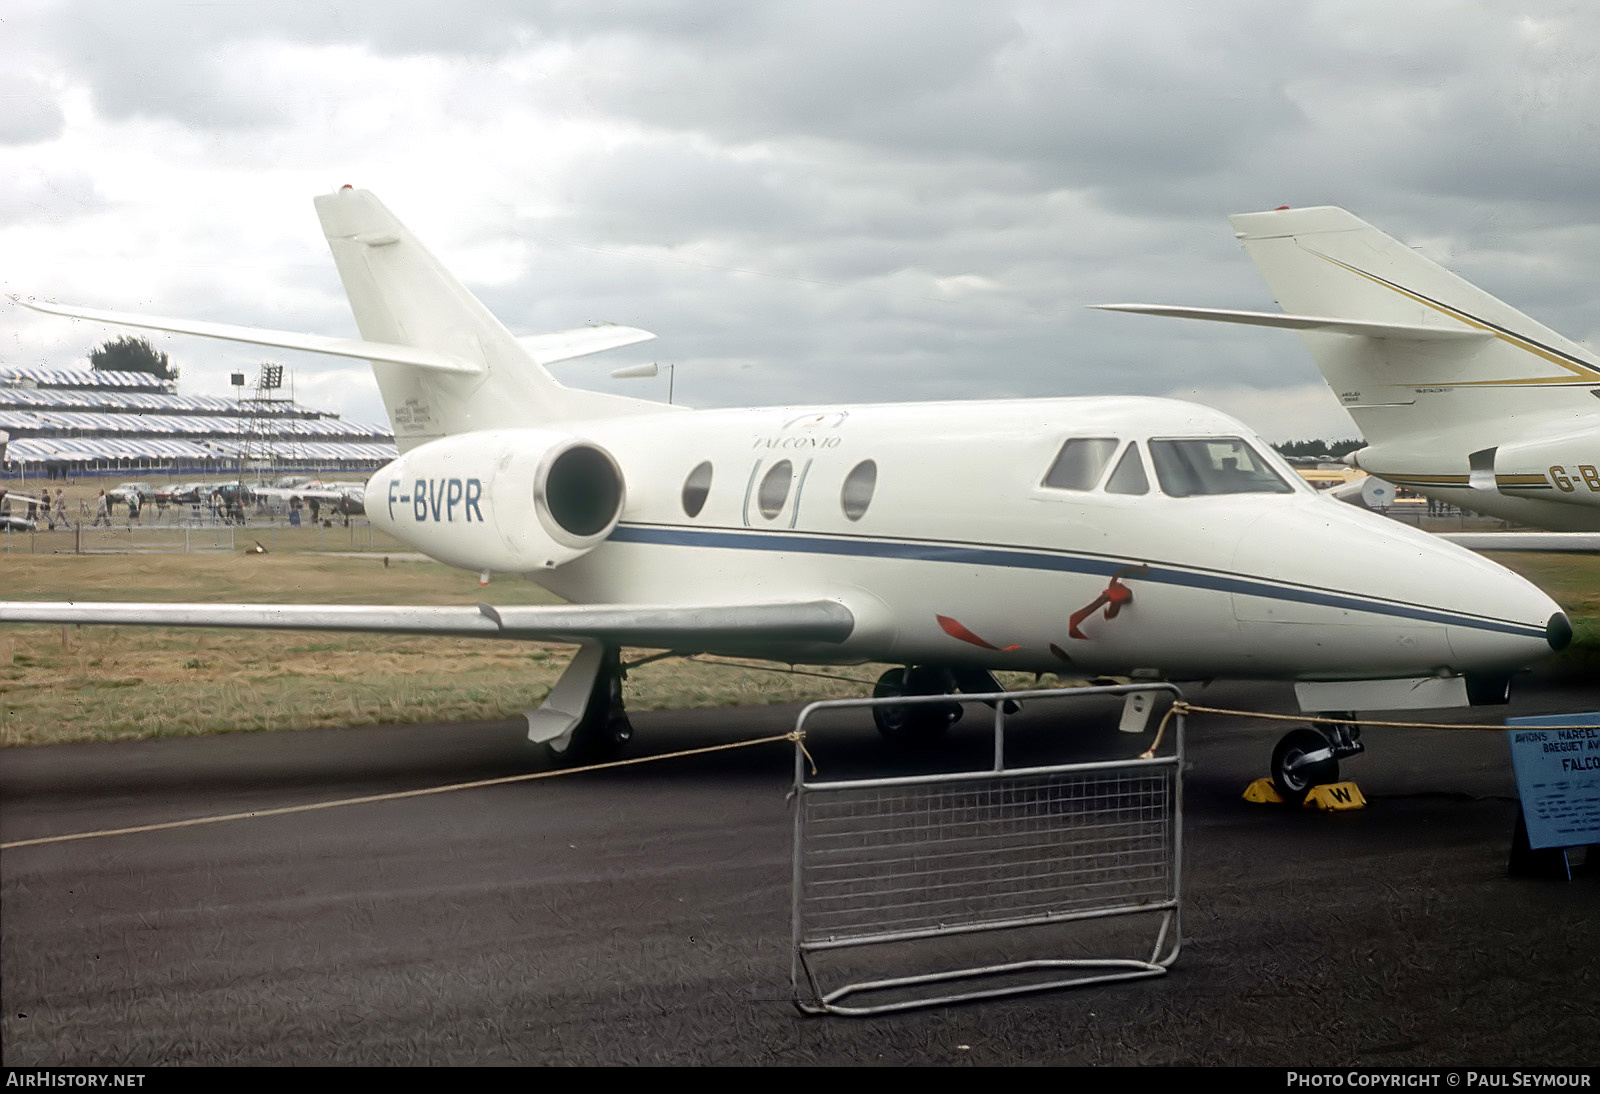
(1044, 559)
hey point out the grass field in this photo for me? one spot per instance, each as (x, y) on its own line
(1574, 581)
(96, 683)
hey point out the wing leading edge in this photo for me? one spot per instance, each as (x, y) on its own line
(1414, 332)
(675, 627)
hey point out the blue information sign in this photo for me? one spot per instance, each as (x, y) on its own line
(1557, 761)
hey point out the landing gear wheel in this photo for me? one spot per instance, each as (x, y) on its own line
(604, 731)
(918, 722)
(1302, 760)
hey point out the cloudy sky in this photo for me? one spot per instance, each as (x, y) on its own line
(828, 201)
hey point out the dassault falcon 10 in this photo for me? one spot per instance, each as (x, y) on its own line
(1082, 536)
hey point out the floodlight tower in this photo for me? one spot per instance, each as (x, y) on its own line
(257, 426)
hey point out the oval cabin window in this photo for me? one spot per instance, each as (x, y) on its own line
(696, 488)
(858, 488)
(774, 489)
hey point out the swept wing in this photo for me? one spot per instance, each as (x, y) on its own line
(676, 627)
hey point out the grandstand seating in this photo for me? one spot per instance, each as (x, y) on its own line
(86, 422)
(20, 375)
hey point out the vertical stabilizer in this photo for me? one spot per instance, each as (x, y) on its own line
(401, 295)
(1326, 262)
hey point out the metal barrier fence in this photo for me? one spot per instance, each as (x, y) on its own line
(881, 861)
(181, 538)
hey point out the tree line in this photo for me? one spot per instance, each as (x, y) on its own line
(131, 354)
(1319, 447)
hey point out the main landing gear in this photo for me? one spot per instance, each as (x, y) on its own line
(916, 723)
(582, 720)
(1306, 758)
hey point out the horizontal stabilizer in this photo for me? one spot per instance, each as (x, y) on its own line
(311, 343)
(565, 345)
(651, 626)
(1324, 324)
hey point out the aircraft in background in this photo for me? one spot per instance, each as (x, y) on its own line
(13, 521)
(1460, 396)
(1138, 537)
(339, 498)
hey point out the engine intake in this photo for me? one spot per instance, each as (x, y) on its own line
(580, 491)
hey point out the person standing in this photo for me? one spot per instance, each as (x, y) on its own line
(61, 508)
(102, 511)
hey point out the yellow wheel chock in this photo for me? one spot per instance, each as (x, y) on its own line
(1262, 792)
(1335, 797)
(1329, 797)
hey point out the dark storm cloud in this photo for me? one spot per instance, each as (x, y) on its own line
(903, 199)
(192, 63)
(641, 191)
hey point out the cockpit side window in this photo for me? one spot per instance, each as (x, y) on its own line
(1213, 465)
(1080, 462)
(1129, 477)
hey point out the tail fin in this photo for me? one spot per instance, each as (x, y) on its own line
(444, 364)
(1329, 264)
(401, 295)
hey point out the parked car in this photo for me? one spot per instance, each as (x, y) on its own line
(122, 493)
(189, 493)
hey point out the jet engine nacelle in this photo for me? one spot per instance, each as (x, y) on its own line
(511, 500)
(1556, 460)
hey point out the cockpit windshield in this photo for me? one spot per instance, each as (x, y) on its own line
(1213, 465)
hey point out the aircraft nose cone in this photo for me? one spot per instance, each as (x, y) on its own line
(1424, 604)
(1558, 632)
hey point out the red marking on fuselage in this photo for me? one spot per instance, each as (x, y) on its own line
(1115, 596)
(955, 629)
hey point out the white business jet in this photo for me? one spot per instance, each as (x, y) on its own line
(1459, 395)
(1092, 536)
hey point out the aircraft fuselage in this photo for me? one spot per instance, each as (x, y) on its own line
(953, 548)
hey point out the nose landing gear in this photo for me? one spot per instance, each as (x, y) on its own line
(1308, 758)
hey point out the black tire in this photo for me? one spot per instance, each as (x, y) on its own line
(1294, 783)
(916, 723)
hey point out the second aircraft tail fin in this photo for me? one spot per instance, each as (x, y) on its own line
(1328, 262)
(1410, 349)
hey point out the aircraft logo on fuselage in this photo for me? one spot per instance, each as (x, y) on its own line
(831, 420)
